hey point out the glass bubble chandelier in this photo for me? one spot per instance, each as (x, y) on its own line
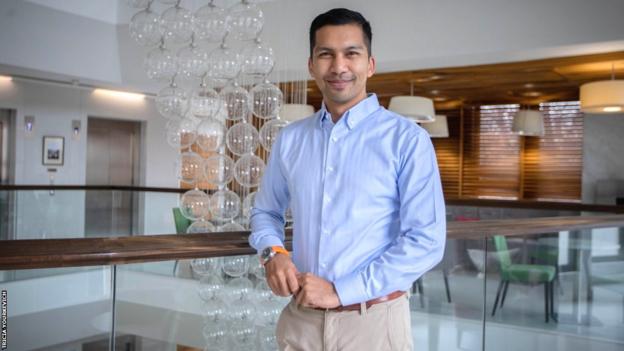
(221, 108)
(222, 112)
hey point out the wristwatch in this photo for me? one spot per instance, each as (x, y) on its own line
(269, 252)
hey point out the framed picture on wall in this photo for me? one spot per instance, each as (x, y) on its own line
(53, 150)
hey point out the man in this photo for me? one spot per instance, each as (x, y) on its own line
(364, 189)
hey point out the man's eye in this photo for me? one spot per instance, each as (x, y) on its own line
(323, 54)
(353, 53)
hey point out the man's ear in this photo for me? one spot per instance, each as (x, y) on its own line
(371, 66)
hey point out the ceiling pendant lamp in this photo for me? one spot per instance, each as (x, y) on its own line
(418, 108)
(437, 128)
(528, 123)
(603, 97)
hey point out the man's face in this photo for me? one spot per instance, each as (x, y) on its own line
(340, 64)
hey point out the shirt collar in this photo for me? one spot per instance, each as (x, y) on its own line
(355, 114)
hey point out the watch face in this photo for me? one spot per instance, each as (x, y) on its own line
(266, 253)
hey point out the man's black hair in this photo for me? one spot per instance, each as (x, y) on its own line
(341, 16)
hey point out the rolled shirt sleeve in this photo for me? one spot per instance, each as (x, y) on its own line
(420, 243)
(267, 213)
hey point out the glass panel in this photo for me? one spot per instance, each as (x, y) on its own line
(53, 214)
(217, 304)
(574, 279)
(60, 311)
(468, 213)
(447, 302)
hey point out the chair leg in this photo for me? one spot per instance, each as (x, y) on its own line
(504, 294)
(546, 300)
(446, 286)
(498, 291)
(552, 302)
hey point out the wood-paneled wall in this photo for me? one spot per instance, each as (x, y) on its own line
(483, 158)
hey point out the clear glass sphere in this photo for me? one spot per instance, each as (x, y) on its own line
(236, 266)
(200, 226)
(172, 102)
(214, 310)
(239, 289)
(194, 204)
(193, 62)
(224, 205)
(263, 291)
(176, 24)
(190, 167)
(217, 337)
(181, 134)
(266, 338)
(210, 134)
(218, 170)
(230, 227)
(205, 102)
(243, 334)
(269, 132)
(138, 4)
(242, 138)
(248, 170)
(211, 287)
(161, 64)
(207, 266)
(210, 24)
(257, 269)
(243, 221)
(245, 21)
(145, 28)
(266, 100)
(267, 313)
(237, 102)
(241, 308)
(258, 60)
(225, 63)
(248, 203)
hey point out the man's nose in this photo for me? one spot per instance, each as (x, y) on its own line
(339, 64)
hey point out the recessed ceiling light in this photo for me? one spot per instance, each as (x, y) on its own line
(531, 93)
(529, 85)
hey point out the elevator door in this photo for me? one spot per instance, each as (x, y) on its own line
(112, 159)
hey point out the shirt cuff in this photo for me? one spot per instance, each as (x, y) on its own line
(266, 241)
(351, 289)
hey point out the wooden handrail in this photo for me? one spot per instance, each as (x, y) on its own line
(537, 205)
(52, 253)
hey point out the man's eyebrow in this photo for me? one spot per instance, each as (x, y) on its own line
(348, 48)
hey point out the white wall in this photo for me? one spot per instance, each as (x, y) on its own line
(54, 107)
(43, 39)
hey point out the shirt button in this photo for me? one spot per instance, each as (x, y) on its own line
(325, 232)
(331, 169)
(324, 265)
(334, 139)
(328, 199)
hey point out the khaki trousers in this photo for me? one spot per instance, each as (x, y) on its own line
(384, 326)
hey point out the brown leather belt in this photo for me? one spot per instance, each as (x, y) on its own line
(369, 303)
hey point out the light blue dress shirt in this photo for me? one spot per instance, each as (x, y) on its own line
(366, 200)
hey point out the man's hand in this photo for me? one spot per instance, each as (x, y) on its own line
(316, 292)
(281, 275)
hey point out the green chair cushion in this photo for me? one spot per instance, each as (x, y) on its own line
(528, 273)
